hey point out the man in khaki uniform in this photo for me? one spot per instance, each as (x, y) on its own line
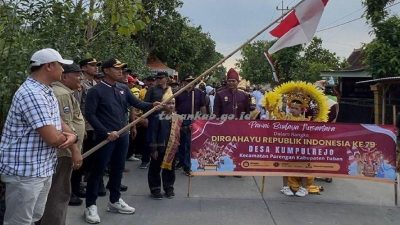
(60, 191)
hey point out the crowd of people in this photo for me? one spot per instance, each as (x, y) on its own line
(66, 108)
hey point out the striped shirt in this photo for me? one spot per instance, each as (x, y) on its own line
(22, 151)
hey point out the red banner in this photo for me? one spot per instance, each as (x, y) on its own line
(264, 147)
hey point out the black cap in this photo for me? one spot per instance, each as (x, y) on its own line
(150, 78)
(89, 61)
(99, 75)
(71, 68)
(128, 70)
(162, 74)
(113, 63)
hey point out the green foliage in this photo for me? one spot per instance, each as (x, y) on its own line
(129, 30)
(382, 55)
(295, 63)
(254, 66)
(375, 10)
(170, 37)
(75, 30)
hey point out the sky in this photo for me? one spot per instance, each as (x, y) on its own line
(232, 22)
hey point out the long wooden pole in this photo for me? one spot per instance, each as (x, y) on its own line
(192, 83)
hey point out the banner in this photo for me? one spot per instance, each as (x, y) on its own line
(264, 147)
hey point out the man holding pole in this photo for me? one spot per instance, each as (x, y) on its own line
(189, 102)
(106, 106)
(154, 94)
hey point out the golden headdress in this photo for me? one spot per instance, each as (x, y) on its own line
(304, 93)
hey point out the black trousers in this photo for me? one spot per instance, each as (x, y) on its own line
(155, 176)
(89, 142)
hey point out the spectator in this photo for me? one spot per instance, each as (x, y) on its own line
(59, 196)
(33, 125)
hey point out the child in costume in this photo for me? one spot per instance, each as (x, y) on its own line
(297, 101)
(163, 148)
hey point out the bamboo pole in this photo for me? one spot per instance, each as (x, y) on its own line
(262, 185)
(192, 83)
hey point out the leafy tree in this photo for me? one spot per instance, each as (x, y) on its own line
(383, 53)
(295, 63)
(254, 66)
(375, 10)
(74, 28)
(171, 38)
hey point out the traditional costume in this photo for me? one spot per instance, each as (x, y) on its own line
(314, 107)
(164, 142)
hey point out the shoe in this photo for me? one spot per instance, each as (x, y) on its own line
(123, 188)
(287, 191)
(156, 196)
(133, 158)
(143, 165)
(91, 215)
(302, 192)
(102, 191)
(120, 207)
(188, 173)
(81, 193)
(238, 176)
(74, 200)
(178, 166)
(169, 194)
(221, 176)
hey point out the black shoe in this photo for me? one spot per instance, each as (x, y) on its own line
(81, 193)
(102, 191)
(178, 166)
(188, 173)
(238, 176)
(143, 165)
(74, 200)
(156, 196)
(169, 194)
(123, 188)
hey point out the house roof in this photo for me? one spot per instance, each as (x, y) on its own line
(154, 63)
(355, 60)
(346, 73)
(356, 68)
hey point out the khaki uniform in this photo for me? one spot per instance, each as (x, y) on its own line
(70, 113)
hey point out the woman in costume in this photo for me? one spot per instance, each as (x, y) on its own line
(297, 101)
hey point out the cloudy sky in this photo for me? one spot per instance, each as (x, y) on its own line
(232, 22)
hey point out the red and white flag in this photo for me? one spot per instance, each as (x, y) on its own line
(271, 63)
(299, 26)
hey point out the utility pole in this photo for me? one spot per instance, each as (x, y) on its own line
(282, 9)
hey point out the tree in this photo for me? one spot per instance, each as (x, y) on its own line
(254, 66)
(376, 11)
(295, 63)
(170, 37)
(382, 55)
(77, 29)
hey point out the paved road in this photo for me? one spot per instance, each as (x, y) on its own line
(237, 201)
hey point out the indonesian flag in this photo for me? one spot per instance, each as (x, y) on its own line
(299, 26)
(271, 63)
